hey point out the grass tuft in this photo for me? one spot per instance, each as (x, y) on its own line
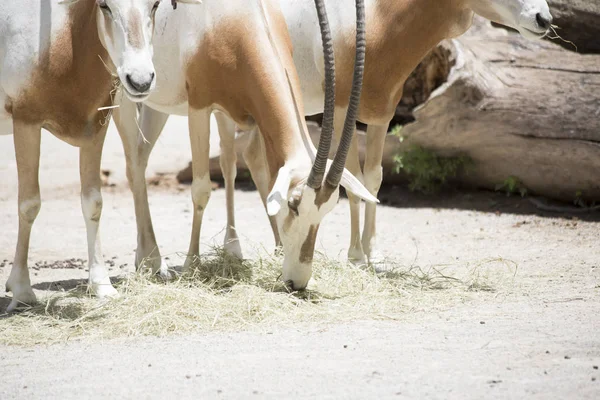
(221, 293)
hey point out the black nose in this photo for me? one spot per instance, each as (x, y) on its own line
(141, 87)
(543, 22)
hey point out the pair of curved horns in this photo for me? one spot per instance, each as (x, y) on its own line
(317, 172)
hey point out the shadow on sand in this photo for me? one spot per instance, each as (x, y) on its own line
(484, 201)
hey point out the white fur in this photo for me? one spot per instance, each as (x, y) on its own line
(27, 30)
(279, 192)
(518, 14)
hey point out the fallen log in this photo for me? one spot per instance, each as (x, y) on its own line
(517, 108)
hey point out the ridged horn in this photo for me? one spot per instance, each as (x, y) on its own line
(315, 179)
(337, 168)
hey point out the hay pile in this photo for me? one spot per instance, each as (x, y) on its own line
(224, 294)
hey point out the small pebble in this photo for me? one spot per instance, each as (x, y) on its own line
(567, 357)
(188, 377)
(345, 346)
(482, 322)
(593, 379)
(595, 367)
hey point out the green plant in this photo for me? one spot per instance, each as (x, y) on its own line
(397, 131)
(428, 171)
(512, 185)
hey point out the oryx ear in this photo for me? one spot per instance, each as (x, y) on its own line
(279, 192)
(353, 185)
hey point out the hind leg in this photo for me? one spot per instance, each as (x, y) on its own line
(137, 151)
(199, 121)
(372, 178)
(27, 148)
(355, 250)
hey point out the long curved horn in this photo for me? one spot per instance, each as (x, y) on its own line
(315, 179)
(337, 168)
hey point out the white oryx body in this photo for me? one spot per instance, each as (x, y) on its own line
(54, 61)
(233, 58)
(400, 33)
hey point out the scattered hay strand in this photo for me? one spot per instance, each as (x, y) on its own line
(221, 293)
(555, 36)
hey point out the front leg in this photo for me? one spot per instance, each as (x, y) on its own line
(138, 142)
(91, 203)
(27, 149)
(228, 161)
(199, 121)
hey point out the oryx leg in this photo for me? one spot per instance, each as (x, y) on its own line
(228, 161)
(137, 151)
(255, 158)
(91, 204)
(373, 176)
(199, 122)
(27, 148)
(355, 251)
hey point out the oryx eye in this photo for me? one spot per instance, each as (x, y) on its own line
(103, 6)
(293, 204)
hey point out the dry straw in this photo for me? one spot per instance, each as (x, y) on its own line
(220, 293)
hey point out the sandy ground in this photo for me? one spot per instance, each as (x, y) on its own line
(540, 340)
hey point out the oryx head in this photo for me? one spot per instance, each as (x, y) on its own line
(126, 28)
(299, 205)
(531, 18)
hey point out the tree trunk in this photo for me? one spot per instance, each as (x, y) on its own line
(517, 108)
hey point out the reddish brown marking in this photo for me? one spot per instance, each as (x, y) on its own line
(307, 250)
(324, 194)
(135, 34)
(8, 107)
(70, 83)
(231, 70)
(398, 38)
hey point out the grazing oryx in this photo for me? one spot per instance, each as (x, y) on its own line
(235, 58)
(54, 57)
(400, 34)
